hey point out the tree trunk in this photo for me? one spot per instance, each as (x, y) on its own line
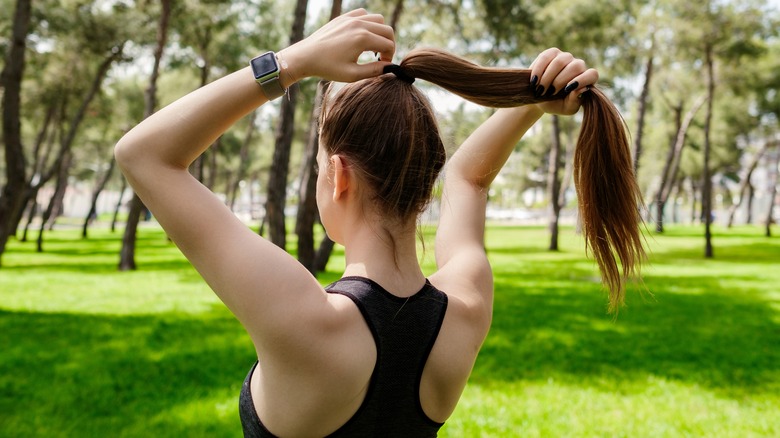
(277, 181)
(30, 217)
(772, 194)
(568, 168)
(554, 185)
(323, 254)
(745, 183)
(244, 162)
(307, 204)
(396, 16)
(672, 164)
(101, 184)
(34, 182)
(118, 204)
(55, 203)
(15, 166)
(211, 180)
(751, 191)
(642, 109)
(706, 190)
(127, 253)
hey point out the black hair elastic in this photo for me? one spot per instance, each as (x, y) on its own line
(398, 72)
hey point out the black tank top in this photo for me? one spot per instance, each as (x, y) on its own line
(404, 331)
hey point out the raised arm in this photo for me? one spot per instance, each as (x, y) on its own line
(258, 281)
(460, 252)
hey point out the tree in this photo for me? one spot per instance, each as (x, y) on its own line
(13, 71)
(726, 33)
(277, 180)
(99, 186)
(672, 163)
(307, 205)
(745, 187)
(127, 253)
(773, 179)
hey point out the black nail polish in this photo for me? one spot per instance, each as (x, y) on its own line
(571, 87)
(534, 80)
(550, 91)
(539, 91)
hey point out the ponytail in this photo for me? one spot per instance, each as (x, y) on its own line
(608, 196)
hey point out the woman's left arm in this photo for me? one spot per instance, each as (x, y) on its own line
(258, 281)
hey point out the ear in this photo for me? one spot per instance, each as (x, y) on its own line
(341, 176)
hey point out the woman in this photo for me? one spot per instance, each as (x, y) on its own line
(384, 351)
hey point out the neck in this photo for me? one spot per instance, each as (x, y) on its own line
(386, 256)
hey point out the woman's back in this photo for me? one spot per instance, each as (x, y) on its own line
(417, 374)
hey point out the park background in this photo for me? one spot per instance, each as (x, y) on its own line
(105, 329)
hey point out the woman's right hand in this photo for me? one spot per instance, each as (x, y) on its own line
(332, 51)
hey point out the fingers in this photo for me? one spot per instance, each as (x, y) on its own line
(381, 39)
(554, 71)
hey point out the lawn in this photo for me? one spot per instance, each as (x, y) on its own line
(88, 351)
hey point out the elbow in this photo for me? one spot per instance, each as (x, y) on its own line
(123, 154)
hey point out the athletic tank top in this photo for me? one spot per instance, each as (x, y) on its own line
(404, 331)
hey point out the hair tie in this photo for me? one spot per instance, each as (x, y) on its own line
(398, 72)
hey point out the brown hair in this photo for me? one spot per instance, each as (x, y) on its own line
(388, 129)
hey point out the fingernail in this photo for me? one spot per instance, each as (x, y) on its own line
(534, 80)
(571, 87)
(539, 91)
(550, 91)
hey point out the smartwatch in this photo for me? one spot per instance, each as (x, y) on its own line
(266, 70)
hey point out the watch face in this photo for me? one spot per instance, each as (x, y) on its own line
(264, 65)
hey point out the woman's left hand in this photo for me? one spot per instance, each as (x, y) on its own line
(558, 72)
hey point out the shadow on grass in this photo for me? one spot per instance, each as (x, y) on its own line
(85, 375)
(552, 324)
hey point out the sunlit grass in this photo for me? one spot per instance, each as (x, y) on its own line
(88, 351)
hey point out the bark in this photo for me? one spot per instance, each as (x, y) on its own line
(643, 98)
(307, 204)
(277, 181)
(29, 202)
(101, 184)
(751, 191)
(15, 166)
(706, 190)
(243, 154)
(672, 164)
(323, 254)
(118, 204)
(313, 260)
(55, 203)
(30, 217)
(772, 194)
(745, 185)
(554, 184)
(211, 180)
(127, 253)
(396, 16)
(694, 200)
(66, 142)
(568, 170)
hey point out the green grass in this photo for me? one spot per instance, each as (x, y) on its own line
(88, 351)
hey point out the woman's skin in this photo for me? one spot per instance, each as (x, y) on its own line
(316, 351)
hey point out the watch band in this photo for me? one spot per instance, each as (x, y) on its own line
(272, 88)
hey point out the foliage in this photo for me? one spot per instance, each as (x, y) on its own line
(88, 351)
